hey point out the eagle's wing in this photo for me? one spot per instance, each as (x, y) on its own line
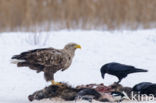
(46, 57)
(25, 55)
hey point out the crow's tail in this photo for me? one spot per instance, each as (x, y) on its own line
(140, 70)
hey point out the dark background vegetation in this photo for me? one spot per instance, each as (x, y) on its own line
(31, 15)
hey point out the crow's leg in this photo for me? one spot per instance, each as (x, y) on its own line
(119, 80)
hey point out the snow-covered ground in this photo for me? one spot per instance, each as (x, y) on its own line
(136, 48)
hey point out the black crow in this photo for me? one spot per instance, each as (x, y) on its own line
(119, 70)
(145, 88)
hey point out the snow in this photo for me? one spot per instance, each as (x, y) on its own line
(135, 48)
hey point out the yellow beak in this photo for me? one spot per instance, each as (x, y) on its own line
(78, 46)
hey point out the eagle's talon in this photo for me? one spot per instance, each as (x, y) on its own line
(59, 84)
(56, 83)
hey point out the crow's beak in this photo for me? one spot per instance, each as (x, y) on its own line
(103, 75)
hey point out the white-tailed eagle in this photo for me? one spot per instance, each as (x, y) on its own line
(48, 60)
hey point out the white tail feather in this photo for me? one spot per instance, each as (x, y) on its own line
(15, 61)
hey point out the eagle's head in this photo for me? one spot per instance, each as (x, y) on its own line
(72, 46)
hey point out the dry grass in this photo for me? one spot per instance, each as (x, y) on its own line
(76, 14)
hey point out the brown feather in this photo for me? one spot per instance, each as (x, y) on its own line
(48, 60)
